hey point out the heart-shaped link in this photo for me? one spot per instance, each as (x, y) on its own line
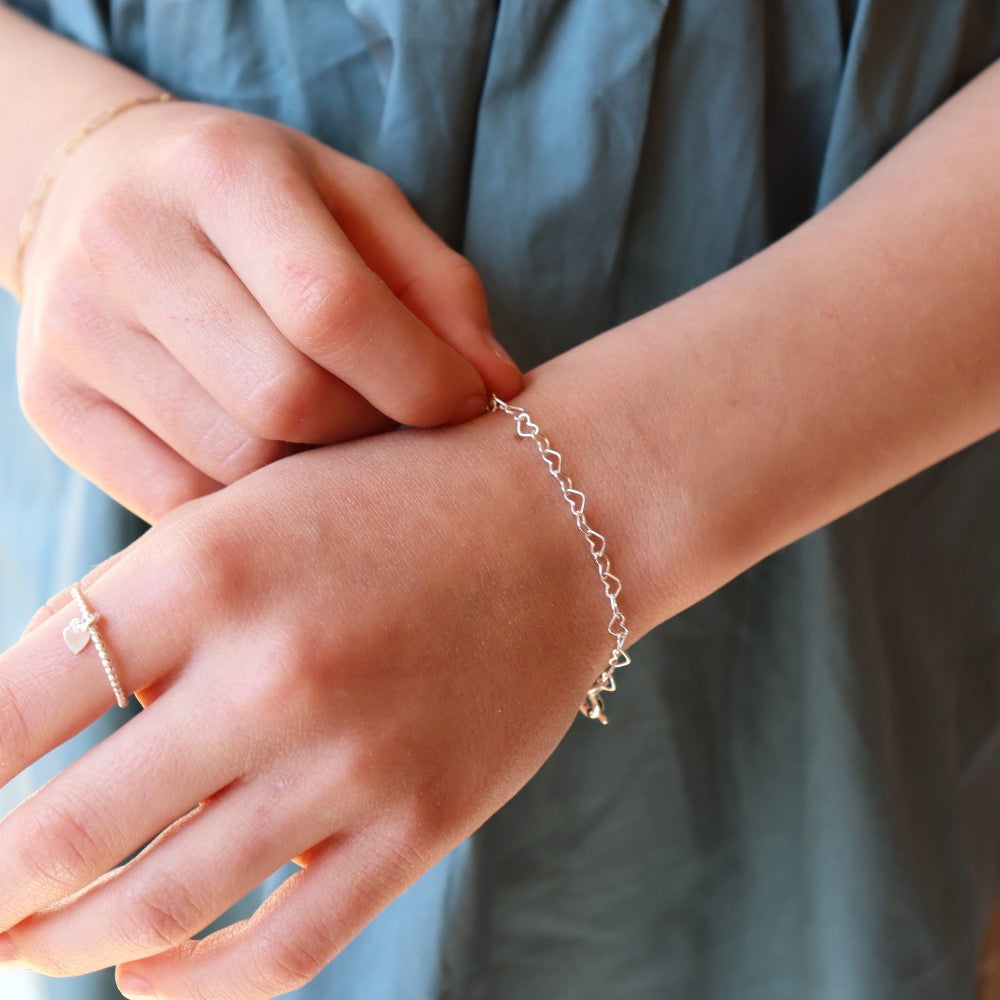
(525, 427)
(576, 500)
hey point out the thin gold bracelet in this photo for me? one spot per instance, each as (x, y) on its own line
(34, 209)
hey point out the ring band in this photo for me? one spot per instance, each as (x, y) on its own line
(82, 630)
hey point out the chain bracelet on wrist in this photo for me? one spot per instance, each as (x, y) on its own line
(593, 704)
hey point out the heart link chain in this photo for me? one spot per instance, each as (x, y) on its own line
(593, 704)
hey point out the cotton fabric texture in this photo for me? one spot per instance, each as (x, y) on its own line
(798, 794)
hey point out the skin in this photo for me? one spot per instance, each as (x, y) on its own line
(393, 703)
(153, 322)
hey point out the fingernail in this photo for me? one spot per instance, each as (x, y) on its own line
(134, 986)
(470, 408)
(498, 349)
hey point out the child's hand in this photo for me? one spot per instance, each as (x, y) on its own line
(208, 290)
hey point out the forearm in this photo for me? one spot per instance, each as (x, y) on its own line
(49, 89)
(857, 351)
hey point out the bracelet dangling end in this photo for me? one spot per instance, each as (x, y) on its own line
(593, 708)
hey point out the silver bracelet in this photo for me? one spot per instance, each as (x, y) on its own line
(593, 705)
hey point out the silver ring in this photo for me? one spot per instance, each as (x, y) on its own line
(83, 630)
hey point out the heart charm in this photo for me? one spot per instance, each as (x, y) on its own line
(619, 658)
(76, 635)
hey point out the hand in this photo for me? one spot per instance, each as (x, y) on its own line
(208, 290)
(351, 657)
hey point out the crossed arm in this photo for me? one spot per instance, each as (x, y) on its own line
(394, 701)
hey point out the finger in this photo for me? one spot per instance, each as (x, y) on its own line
(48, 694)
(106, 805)
(218, 333)
(436, 283)
(58, 602)
(291, 937)
(319, 292)
(140, 376)
(189, 876)
(110, 447)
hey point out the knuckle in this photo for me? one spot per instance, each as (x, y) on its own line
(15, 733)
(279, 407)
(67, 847)
(212, 150)
(376, 180)
(68, 314)
(284, 964)
(417, 821)
(334, 311)
(368, 183)
(53, 402)
(35, 394)
(248, 455)
(223, 151)
(200, 562)
(292, 675)
(460, 271)
(193, 564)
(447, 270)
(397, 858)
(44, 960)
(159, 494)
(105, 233)
(253, 454)
(463, 282)
(158, 916)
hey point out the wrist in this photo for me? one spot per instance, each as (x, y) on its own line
(630, 497)
(50, 175)
(677, 477)
(50, 89)
(628, 469)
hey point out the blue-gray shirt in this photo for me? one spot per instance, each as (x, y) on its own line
(800, 794)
